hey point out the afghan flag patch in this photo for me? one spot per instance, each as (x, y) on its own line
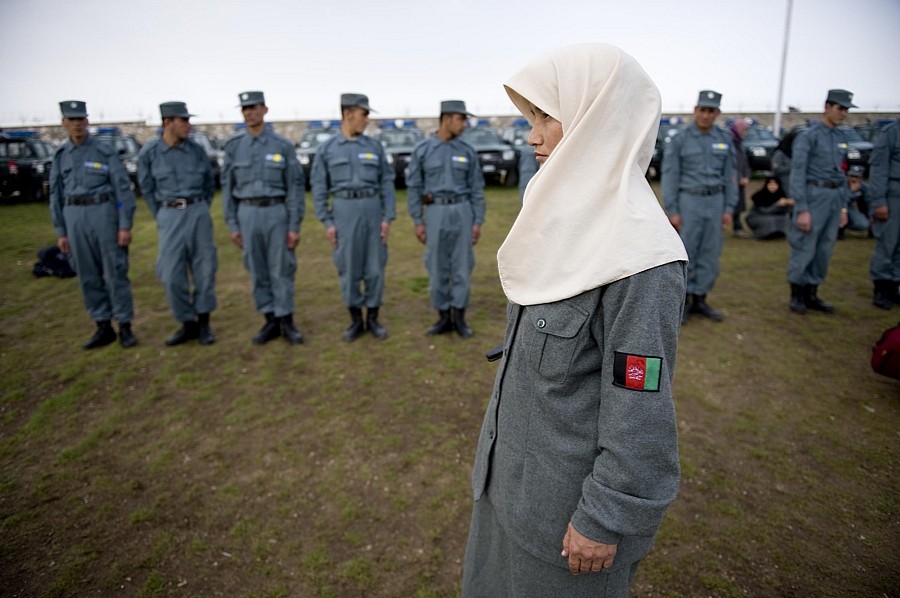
(637, 372)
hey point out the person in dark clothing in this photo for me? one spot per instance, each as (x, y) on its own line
(770, 216)
(738, 129)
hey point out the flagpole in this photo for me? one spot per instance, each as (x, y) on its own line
(784, 50)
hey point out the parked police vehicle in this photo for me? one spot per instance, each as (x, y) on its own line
(498, 159)
(126, 146)
(399, 137)
(25, 161)
(317, 133)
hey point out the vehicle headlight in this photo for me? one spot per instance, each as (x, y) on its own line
(39, 167)
(131, 166)
(390, 158)
(509, 155)
(854, 154)
(303, 158)
(759, 152)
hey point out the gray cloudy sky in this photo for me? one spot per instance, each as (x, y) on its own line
(124, 57)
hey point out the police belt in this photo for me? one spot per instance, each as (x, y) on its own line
(446, 199)
(180, 203)
(826, 184)
(261, 202)
(86, 200)
(355, 193)
(713, 190)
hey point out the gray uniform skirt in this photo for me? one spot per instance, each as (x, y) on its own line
(496, 567)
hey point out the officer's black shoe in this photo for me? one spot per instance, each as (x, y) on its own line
(126, 336)
(882, 295)
(444, 324)
(686, 312)
(356, 327)
(892, 288)
(798, 302)
(103, 336)
(702, 308)
(377, 330)
(187, 332)
(811, 298)
(459, 322)
(271, 329)
(289, 331)
(204, 332)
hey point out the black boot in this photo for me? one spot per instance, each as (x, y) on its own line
(356, 327)
(377, 330)
(187, 332)
(459, 321)
(892, 289)
(103, 336)
(811, 298)
(270, 330)
(798, 303)
(204, 332)
(882, 295)
(686, 312)
(126, 336)
(701, 307)
(289, 331)
(444, 323)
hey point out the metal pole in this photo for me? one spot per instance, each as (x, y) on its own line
(787, 35)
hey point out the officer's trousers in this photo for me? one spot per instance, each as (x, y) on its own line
(101, 265)
(187, 251)
(360, 256)
(701, 232)
(271, 264)
(885, 263)
(811, 252)
(449, 256)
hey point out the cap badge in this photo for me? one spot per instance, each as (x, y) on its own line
(710, 95)
(244, 96)
(73, 104)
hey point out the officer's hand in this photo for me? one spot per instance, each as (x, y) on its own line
(845, 218)
(675, 221)
(292, 239)
(585, 555)
(63, 244)
(420, 233)
(743, 181)
(881, 213)
(804, 221)
(385, 231)
(476, 233)
(124, 238)
(331, 233)
(237, 239)
(727, 219)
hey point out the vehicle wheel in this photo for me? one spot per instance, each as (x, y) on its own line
(511, 179)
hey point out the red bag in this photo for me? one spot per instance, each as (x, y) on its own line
(886, 353)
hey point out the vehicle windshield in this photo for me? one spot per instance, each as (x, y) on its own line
(854, 135)
(20, 149)
(203, 141)
(396, 137)
(481, 136)
(759, 134)
(317, 137)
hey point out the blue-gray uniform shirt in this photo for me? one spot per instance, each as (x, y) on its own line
(445, 167)
(819, 154)
(884, 167)
(90, 169)
(262, 166)
(358, 164)
(167, 173)
(695, 160)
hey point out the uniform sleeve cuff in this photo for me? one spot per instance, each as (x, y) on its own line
(589, 528)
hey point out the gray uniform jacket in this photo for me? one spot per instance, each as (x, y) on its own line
(89, 169)
(695, 160)
(567, 435)
(445, 167)
(262, 166)
(819, 155)
(884, 175)
(167, 173)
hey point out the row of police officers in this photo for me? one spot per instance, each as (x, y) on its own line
(92, 209)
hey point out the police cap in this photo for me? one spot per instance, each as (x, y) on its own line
(73, 109)
(709, 99)
(841, 97)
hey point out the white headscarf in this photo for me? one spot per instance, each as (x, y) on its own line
(589, 215)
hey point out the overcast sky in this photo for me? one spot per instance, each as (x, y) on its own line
(124, 57)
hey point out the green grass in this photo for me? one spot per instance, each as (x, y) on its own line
(334, 469)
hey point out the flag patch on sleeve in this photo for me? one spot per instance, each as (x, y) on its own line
(637, 372)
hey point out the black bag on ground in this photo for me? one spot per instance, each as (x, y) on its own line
(52, 262)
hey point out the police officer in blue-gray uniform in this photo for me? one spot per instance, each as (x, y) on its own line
(177, 183)
(821, 200)
(445, 197)
(351, 167)
(262, 195)
(92, 208)
(699, 188)
(884, 207)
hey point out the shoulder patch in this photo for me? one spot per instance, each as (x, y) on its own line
(637, 372)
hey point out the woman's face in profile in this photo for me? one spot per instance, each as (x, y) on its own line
(546, 133)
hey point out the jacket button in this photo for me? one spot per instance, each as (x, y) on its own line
(541, 323)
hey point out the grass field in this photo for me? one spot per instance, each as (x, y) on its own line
(334, 469)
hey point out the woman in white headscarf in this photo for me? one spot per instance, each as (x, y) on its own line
(577, 459)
